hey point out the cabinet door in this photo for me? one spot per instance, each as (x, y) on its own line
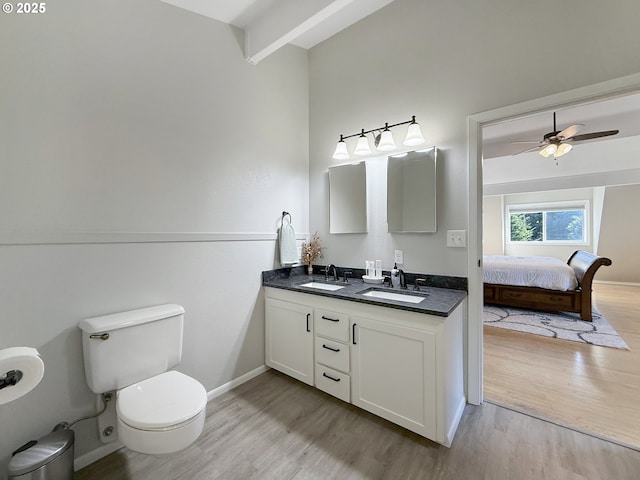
(393, 373)
(289, 339)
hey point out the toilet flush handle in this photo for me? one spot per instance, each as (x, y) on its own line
(100, 336)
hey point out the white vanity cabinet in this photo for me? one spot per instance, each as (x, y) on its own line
(289, 338)
(403, 366)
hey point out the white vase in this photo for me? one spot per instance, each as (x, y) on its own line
(309, 269)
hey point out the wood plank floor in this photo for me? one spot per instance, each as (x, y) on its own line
(273, 427)
(594, 389)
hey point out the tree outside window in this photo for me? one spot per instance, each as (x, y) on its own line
(548, 225)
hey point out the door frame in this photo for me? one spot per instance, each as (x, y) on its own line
(591, 93)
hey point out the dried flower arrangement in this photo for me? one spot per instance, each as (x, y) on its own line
(312, 250)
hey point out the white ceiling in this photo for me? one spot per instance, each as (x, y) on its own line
(620, 113)
(270, 24)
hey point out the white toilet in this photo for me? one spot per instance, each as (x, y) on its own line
(160, 411)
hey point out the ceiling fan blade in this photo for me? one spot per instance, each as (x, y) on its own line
(524, 141)
(589, 136)
(527, 150)
(570, 131)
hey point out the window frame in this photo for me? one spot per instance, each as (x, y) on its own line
(544, 207)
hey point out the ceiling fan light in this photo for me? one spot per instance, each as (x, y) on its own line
(362, 147)
(549, 150)
(414, 135)
(341, 152)
(386, 142)
(562, 149)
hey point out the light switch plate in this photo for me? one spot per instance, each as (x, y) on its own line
(398, 256)
(456, 238)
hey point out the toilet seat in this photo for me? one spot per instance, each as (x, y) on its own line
(164, 402)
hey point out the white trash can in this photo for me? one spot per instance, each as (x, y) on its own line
(50, 458)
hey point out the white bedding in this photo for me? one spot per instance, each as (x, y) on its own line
(543, 272)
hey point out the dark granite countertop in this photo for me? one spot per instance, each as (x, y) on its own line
(438, 301)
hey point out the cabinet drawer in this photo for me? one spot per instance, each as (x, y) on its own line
(332, 324)
(333, 382)
(489, 293)
(535, 299)
(332, 354)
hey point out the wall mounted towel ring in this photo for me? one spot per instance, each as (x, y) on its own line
(284, 214)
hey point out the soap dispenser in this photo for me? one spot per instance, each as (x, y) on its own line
(395, 276)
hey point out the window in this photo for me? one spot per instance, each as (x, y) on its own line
(548, 223)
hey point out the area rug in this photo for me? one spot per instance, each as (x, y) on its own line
(563, 325)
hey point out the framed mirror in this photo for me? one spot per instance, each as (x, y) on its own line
(348, 198)
(411, 192)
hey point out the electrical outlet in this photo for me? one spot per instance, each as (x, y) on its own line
(456, 238)
(398, 256)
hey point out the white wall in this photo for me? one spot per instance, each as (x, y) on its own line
(493, 225)
(139, 122)
(619, 234)
(443, 61)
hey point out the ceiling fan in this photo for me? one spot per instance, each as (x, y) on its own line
(559, 142)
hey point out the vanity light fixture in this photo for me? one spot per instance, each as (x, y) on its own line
(383, 139)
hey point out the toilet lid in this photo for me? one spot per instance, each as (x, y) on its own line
(162, 401)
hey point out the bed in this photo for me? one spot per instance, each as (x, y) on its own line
(542, 283)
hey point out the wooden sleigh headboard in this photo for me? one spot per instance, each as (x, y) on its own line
(585, 265)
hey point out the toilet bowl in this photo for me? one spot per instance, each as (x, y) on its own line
(159, 411)
(161, 415)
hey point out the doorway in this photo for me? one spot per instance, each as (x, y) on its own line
(476, 123)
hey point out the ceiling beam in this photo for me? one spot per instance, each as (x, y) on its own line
(285, 23)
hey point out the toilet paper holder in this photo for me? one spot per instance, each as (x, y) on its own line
(11, 378)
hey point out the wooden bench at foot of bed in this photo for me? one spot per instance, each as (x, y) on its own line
(584, 265)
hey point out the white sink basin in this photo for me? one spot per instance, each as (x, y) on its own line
(322, 286)
(399, 297)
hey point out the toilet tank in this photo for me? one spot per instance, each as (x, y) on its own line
(127, 347)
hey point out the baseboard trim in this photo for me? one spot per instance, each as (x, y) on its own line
(101, 452)
(624, 284)
(216, 392)
(95, 455)
(456, 421)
